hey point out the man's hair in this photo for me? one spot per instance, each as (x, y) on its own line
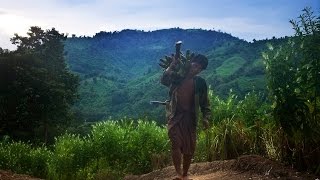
(200, 59)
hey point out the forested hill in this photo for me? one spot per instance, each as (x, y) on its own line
(132, 53)
(120, 73)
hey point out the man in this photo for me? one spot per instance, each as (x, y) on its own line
(186, 96)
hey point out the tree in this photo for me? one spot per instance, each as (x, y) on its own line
(18, 96)
(43, 87)
(308, 36)
(292, 71)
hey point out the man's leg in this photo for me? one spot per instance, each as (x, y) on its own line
(176, 158)
(186, 164)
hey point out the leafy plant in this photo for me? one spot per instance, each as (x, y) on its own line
(71, 154)
(293, 81)
(23, 158)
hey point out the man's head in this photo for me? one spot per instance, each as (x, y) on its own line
(198, 63)
(200, 59)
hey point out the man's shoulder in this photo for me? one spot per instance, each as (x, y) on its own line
(200, 80)
(201, 84)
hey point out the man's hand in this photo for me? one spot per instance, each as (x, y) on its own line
(173, 64)
(205, 124)
(175, 60)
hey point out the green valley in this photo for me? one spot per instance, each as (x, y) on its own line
(120, 73)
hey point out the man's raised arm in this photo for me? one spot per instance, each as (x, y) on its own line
(169, 74)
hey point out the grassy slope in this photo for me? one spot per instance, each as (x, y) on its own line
(120, 74)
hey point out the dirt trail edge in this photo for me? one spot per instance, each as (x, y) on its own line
(8, 175)
(245, 167)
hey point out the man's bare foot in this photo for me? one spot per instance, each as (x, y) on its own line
(179, 175)
(186, 178)
(178, 178)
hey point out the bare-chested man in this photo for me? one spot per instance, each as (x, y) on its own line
(186, 96)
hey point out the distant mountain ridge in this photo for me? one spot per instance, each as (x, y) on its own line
(129, 48)
(120, 73)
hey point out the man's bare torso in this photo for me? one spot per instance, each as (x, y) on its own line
(185, 94)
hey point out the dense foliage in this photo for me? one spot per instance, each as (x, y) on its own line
(37, 89)
(112, 149)
(293, 81)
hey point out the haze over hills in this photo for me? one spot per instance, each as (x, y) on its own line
(120, 73)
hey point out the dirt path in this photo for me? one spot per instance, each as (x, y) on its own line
(246, 167)
(8, 175)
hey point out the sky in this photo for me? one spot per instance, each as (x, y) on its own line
(245, 19)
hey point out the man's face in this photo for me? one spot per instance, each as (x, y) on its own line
(195, 68)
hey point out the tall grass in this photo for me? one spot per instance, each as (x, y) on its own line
(72, 154)
(226, 140)
(127, 146)
(21, 157)
(239, 127)
(112, 149)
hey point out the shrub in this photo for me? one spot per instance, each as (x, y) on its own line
(70, 154)
(130, 146)
(226, 140)
(23, 158)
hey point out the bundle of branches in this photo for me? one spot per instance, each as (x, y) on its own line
(183, 62)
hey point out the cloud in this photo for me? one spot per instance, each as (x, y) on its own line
(245, 19)
(2, 12)
(5, 42)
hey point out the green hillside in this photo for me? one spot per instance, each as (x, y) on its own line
(120, 73)
(46, 131)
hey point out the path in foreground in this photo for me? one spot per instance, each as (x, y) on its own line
(245, 167)
(8, 175)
